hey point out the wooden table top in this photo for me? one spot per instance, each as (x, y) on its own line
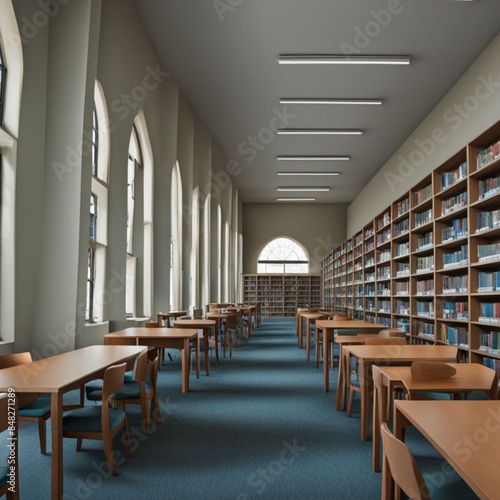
(309, 315)
(143, 333)
(185, 323)
(354, 339)
(466, 433)
(55, 373)
(403, 353)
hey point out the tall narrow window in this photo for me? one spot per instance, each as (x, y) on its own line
(3, 72)
(283, 255)
(176, 240)
(98, 221)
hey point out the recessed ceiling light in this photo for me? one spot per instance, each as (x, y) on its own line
(312, 158)
(302, 188)
(296, 199)
(318, 131)
(342, 59)
(308, 173)
(326, 100)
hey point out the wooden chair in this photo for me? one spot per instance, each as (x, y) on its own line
(31, 406)
(151, 324)
(232, 328)
(353, 382)
(141, 391)
(429, 370)
(100, 421)
(400, 465)
(392, 332)
(9, 486)
(334, 353)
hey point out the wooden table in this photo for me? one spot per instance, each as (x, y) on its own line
(205, 325)
(465, 433)
(386, 354)
(327, 327)
(58, 375)
(162, 316)
(173, 338)
(310, 319)
(468, 377)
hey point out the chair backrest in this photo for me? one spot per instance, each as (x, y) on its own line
(340, 317)
(233, 320)
(197, 314)
(392, 332)
(19, 358)
(151, 324)
(385, 341)
(403, 467)
(142, 368)
(428, 370)
(113, 380)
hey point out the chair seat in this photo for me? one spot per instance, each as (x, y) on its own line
(88, 419)
(37, 409)
(453, 489)
(130, 390)
(354, 380)
(4, 476)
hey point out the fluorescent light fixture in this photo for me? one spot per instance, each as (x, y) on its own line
(309, 189)
(327, 100)
(312, 158)
(308, 173)
(319, 131)
(296, 199)
(342, 59)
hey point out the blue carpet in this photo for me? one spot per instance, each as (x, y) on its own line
(260, 426)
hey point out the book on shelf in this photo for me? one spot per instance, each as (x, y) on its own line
(489, 312)
(487, 155)
(454, 203)
(489, 187)
(402, 249)
(455, 335)
(422, 195)
(425, 264)
(403, 206)
(456, 284)
(488, 281)
(487, 220)
(457, 258)
(456, 310)
(488, 342)
(425, 287)
(425, 240)
(450, 178)
(422, 218)
(457, 230)
(425, 329)
(488, 252)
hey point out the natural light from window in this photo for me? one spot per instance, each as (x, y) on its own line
(283, 255)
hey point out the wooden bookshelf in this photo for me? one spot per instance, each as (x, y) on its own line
(429, 263)
(281, 294)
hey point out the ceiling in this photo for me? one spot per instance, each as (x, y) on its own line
(224, 56)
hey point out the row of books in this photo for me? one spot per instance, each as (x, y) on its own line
(384, 321)
(402, 269)
(369, 261)
(488, 342)
(487, 220)
(383, 221)
(402, 249)
(488, 252)
(425, 287)
(403, 206)
(425, 264)
(425, 240)
(457, 258)
(454, 203)
(458, 229)
(384, 256)
(384, 273)
(403, 227)
(402, 288)
(403, 324)
(488, 281)
(454, 335)
(422, 195)
(489, 187)
(450, 178)
(425, 309)
(425, 329)
(489, 312)
(456, 284)
(384, 306)
(383, 288)
(456, 310)
(383, 237)
(489, 154)
(402, 307)
(493, 364)
(423, 217)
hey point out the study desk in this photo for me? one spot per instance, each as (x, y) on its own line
(465, 433)
(162, 316)
(58, 375)
(173, 338)
(468, 377)
(205, 325)
(368, 355)
(327, 326)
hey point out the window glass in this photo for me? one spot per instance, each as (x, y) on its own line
(283, 255)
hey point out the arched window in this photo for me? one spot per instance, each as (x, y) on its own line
(98, 233)
(176, 240)
(11, 58)
(283, 255)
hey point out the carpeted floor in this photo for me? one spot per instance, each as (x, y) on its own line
(260, 426)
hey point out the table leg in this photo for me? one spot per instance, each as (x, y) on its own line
(308, 338)
(56, 415)
(326, 374)
(365, 400)
(205, 345)
(185, 366)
